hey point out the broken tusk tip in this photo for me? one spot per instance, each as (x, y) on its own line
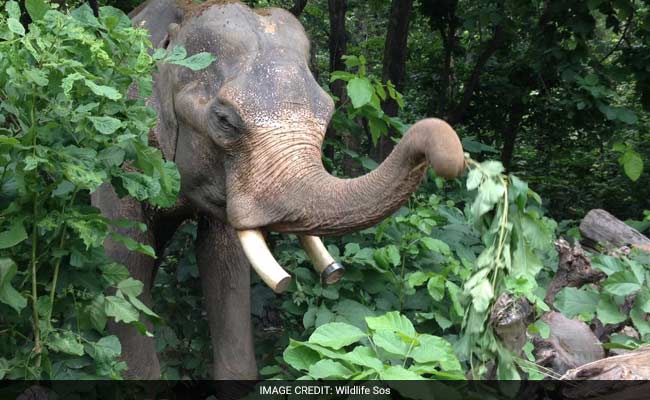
(332, 274)
(282, 285)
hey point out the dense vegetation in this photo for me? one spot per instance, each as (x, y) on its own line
(558, 92)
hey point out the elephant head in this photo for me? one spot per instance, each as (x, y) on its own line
(246, 132)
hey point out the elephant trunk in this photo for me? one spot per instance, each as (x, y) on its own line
(321, 204)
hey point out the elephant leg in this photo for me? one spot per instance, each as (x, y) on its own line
(138, 351)
(225, 278)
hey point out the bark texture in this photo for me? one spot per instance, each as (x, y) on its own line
(574, 270)
(601, 227)
(394, 66)
(569, 345)
(634, 365)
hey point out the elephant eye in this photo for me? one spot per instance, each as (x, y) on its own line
(223, 122)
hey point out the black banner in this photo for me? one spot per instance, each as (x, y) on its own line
(217, 390)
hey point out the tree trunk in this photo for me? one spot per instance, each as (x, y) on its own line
(337, 43)
(394, 67)
(457, 114)
(509, 134)
(599, 226)
(297, 7)
(337, 49)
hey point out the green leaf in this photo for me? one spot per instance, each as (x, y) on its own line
(92, 232)
(134, 245)
(68, 82)
(8, 294)
(143, 307)
(626, 115)
(436, 245)
(392, 321)
(482, 295)
(608, 311)
(114, 272)
(170, 184)
(36, 9)
(178, 53)
(65, 343)
(120, 309)
(359, 91)
(436, 287)
(436, 349)
(391, 342)
(398, 373)
(632, 164)
(38, 76)
(525, 264)
(14, 235)
(341, 75)
(130, 287)
(104, 91)
(299, 356)
(572, 301)
(97, 313)
(106, 349)
(140, 186)
(13, 9)
(417, 278)
(492, 168)
(640, 320)
(336, 335)
(106, 125)
(621, 283)
(15, 26)
(112, 156)
(196, 62)
(643, 299)
(329, 369)
(364, 356)
(474, 178)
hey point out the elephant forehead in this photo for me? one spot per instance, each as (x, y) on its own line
(285, 99)
(235, 29)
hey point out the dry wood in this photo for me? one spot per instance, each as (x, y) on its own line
(510, 319)
(574, 270)
(633, 365)
(569, 345)
(601, 227)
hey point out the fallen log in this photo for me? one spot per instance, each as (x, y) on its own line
(570, 344)
(601, 227)
(632, 365)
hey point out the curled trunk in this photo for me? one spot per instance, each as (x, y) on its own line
(320, 203)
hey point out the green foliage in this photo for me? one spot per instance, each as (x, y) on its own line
(630, 160)
(623, 297)
(366, 94)
(67, 127)
(515, 236)
(390, 349)
(439, 266)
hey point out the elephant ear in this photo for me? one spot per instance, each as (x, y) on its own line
(160, 18)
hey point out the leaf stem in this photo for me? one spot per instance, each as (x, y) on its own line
(37, 336)
(57, 266)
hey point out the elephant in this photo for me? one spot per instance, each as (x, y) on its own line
(246, 135)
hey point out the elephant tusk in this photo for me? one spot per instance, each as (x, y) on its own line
(330, 271)
(262, 261)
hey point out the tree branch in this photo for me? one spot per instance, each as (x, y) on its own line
(489, 49)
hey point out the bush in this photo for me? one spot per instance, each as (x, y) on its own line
(67, 127)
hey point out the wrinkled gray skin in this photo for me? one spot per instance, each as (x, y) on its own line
(246, 134)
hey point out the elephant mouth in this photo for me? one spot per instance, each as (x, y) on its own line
(267, 267)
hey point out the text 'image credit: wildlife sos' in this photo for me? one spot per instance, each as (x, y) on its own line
(264, 192)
